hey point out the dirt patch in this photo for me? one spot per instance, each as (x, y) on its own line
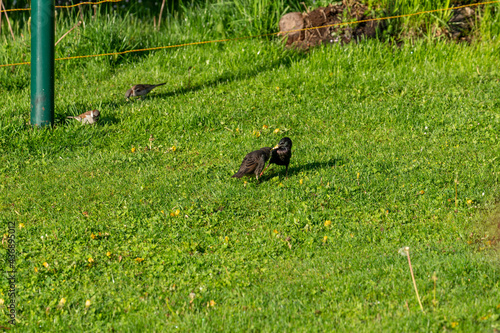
(324, 25)
(462, 23)
(328, 16)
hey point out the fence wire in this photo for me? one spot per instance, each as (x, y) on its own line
(249, 37)
(68, 6)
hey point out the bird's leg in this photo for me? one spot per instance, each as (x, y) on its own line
(286, 176)
(264, 169)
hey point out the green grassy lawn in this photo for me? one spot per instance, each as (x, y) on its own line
(380, 135)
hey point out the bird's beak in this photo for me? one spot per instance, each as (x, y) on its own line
(275, 147)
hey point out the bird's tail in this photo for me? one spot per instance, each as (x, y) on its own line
(161, 84)
(70, 117)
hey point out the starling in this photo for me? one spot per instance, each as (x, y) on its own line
(281, 154)
(254, 162)
(141, 89)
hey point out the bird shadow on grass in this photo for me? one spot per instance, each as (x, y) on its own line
(278, 170)
(117, 100)
(286, 61)
(107, 120)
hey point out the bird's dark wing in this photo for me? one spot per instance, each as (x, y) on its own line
(145, 88)
(249, 164)
(141, 89)
(261, 162)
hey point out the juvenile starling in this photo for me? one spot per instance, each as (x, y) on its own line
(89, 117)
(141, 89)
(281, 154)
(254, 162)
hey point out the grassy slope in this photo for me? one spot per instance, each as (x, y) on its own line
(407, 120)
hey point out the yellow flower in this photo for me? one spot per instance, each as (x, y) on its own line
(62, 302)
(256, 133)
(265, 127)
(36, 270)
(108, 254)
(133, 149)
(1, 302)
(237, 130)
(226, 239)
(454, 324)
(469, 202)
(212, 303)
(324, 239)
(301, 181)
(90, 260)
(21, 225)
(139, 259)
(276, 131)
(275, 231)
(277, 88)
(422, 192)
(87, 303)
(172, 214)
(177, 212)
(328, 223)
(93, 236)
(173, 148)
(162, 212)
(46, 265)
(357, 175)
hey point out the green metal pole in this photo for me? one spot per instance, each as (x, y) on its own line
(42, 62)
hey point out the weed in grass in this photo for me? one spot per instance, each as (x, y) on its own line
(405, 251)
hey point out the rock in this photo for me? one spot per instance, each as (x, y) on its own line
(290, 22)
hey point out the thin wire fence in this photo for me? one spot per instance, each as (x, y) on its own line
(253, 36)
(67, 6)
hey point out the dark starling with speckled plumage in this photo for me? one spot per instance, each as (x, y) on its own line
(253, 163)
(281, 154)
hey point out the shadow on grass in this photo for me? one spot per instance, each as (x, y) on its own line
(286, 61)
(108, 120)
(278, 170)
(117, 100)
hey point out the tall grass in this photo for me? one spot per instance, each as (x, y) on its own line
(419, 25)
(259, 16)
(489, 23)
(230, 18)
